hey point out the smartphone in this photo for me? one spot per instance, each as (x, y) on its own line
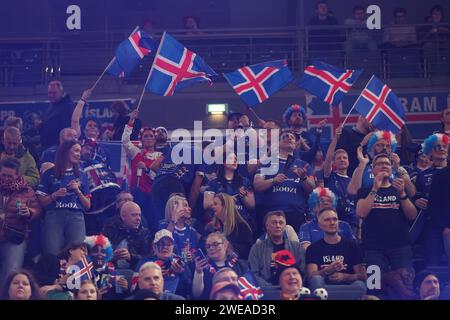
(199, 253)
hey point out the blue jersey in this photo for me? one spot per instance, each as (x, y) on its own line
(49, 184)
(345, 203)
(289, 195)
(423, 182)
(184, 239)
(368, 177)
(311, 232)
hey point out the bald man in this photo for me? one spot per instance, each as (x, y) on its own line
(58, 115)
(130, 240)
(12, 147)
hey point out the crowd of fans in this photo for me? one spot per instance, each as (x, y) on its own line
(222, 231)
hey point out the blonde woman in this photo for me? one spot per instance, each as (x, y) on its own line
(228, 220)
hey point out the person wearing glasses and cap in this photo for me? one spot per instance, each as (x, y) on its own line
(436, 147)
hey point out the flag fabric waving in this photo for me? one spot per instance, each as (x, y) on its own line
(176, 67)
(249, 287)
(130, 52)
(380, 106)
(328, 82)
(256, 83)
(86, 270)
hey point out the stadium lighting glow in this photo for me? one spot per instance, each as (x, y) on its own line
(216, 108)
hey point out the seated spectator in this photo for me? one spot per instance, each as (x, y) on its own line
(191, 24)
(333, 259)
(64, 193)
(336, 179)
(130, 240)
(289, 276)
(12, 147)
(399, 34)
(225, 290)
(358, 36)
(18, 208)
(288, 189)
(176, 272)
(386, 209)
(20, 285)
(427, 286)
(311, 232)
(151, 278)
(436, 36)
(262, 253)
(87, 291)
(48, 157)
(326, 38)
(145, 294)
(228, 220)
(230, 182)
(219, 255)
(178, 221)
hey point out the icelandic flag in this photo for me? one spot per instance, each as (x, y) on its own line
(176, 67)
(328, 82)
(256, 83)
(249, 287)
(380, 106)
(85, 270)
(130, 52)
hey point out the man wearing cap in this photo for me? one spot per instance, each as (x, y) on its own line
(129, 239)
(175, 271)
(262, 253)
(225, 290)
(151, 277)
(334, 260)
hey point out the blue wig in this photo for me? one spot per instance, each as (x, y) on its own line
(428, 144)
(293, 108)
(314, 197)
(381, 135)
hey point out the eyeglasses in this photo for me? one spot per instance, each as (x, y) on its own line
(439, 147)
(214, 245)
(382, 163)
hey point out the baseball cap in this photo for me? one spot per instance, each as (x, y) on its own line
(161, 234)
(222, 285)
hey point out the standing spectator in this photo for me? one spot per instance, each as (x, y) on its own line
(151, 277)
(288, 189)
(386, 209)
(399, 34)
(445, 121)
(64, 192)
(335, 173)
(12, 147)
(130, 240)
(351, 138)
(178, 221)
(230, 182)
(48, 156)
(141, 161)
(358, 36)
(18, 206)
(325, 38)
(219, 255)
(311, 232)
(262, 253)
(436, 36)
(57, 116)
(436, 147)
(20, 286)
(228, 220)
(334, 260)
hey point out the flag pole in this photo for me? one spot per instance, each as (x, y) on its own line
(150, 72)
(254, 113)
(354, 104)
(110, 63)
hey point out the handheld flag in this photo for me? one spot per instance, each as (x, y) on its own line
(249, 287)
(176, 67)
(327, 82)
(256, 83)
(380, 106)
(130, 52)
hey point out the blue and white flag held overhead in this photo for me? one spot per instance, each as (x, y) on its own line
(130, 52)
(256, 83)
(380, 106)
(176, 67)
(328, 82)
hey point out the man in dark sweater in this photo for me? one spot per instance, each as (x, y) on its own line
(57, 116)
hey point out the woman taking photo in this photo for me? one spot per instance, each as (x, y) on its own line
(64, 192)
(228, 220)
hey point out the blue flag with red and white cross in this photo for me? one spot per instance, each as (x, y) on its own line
(328, 82)
(249, 287)
(256, 83)
(85, 270)
(176, 67)
(380, 106)
(130, 52)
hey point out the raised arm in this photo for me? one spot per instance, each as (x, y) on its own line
(130, 148)
(76, 115)
(327, 166)
(356, 181)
